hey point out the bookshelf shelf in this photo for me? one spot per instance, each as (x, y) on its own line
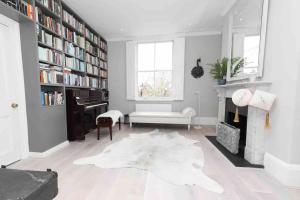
(76, 45)
(54, 106)
(46, 10)
(74, 86)
(52, 85)
(50, 63)
(69, 26)
(49, 30)
(73, 56)
(93, 75)
(75, 70)
(92, 42)
(49, 47)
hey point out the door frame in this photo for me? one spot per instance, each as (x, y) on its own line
(19, 86)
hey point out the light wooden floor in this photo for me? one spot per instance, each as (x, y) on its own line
(89, 182)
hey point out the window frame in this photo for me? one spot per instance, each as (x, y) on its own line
(153, 98)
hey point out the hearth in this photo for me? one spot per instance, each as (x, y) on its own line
(230, 110)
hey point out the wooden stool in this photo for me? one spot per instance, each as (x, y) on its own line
(106, 122)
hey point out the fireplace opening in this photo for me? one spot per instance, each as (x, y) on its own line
(230, 109)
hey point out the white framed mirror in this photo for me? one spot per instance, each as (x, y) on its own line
(248, 27)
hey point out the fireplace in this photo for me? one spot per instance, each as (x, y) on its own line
(252, 119)
(230, 110)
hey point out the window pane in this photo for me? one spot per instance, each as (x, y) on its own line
(163, 55)
(163, 84)
(251, 51)
(146, 56)
(145, 84)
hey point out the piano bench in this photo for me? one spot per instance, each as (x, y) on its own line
(106, 122)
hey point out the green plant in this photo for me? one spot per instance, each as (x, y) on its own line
(219, 68)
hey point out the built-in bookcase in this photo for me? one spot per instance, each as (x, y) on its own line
(71, 53)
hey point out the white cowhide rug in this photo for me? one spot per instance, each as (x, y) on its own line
(170, 156)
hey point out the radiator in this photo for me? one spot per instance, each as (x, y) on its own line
(229, 137)
(153, 107)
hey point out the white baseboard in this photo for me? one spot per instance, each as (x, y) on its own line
(49, 151)
(288, 174)
(212, 121)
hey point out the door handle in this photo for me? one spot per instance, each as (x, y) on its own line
(14, 105)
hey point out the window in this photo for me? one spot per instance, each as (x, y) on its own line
(154, 70)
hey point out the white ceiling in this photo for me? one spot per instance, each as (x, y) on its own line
(116, 19)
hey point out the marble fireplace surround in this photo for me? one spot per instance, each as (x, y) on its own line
(255, 140)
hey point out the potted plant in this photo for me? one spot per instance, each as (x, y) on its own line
(219, 69)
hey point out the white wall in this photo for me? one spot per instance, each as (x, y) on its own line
(282, 66)
(206, 47)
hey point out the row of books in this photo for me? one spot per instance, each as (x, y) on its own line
(49, 39)
(92, 82)
(70, 19)
(103, 74)
(92, 69)
(90, 48)
(51, 56)
(103, 64)
(74, 79)
(102, 55)
(73, 63)
(103, 83)
(47, 21)
(51, 76)
(103, 45)
(52, 5)
(72, 50)
(52, 98)
(91, 36)
(23, 6)
(91, 59)
(73, 37)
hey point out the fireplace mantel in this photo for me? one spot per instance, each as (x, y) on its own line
(255, 145)
(244, 84)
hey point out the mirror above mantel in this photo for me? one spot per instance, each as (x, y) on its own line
(247, 24)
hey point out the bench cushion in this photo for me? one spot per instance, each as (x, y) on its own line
(113, 114)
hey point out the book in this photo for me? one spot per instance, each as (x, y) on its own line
(51, 98)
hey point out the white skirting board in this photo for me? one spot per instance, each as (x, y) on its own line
(212, 121)
(49, 151)
(288, 174)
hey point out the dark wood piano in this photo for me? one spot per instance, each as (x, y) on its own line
(83, 106)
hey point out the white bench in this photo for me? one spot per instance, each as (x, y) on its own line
(184, 117)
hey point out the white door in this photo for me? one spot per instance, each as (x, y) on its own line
(10, 137)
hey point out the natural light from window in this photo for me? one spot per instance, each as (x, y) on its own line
(154, 74)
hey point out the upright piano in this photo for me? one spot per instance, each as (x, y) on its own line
(83, 106)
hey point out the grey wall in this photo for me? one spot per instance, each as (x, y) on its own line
(206, 47)
(46, 125)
